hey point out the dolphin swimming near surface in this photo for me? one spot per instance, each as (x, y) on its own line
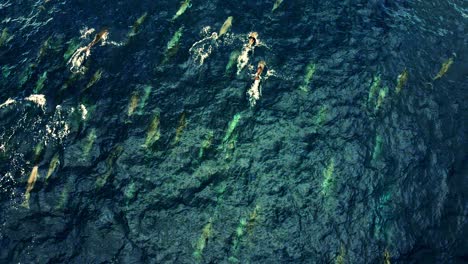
(185, 5)
(226, 26)
(243, 59)
(31, 181)
(254, 92)
(82, 53)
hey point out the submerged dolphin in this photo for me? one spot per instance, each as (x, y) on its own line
(443, 70)
(401, 80)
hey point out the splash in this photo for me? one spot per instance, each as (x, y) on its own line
(254, 93)
(243, 58)
(84, 112)
(8, 102)
(82, 53)
(78, 58)
(202, 49)
(38, 99)
(85, 32)
(40, 129)
(58, 128)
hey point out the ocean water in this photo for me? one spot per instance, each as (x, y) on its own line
(128, 135)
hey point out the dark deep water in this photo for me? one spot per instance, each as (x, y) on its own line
(354, 153)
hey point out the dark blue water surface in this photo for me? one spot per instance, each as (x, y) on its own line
(355, 151)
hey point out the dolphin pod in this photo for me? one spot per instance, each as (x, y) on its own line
(76, 55)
